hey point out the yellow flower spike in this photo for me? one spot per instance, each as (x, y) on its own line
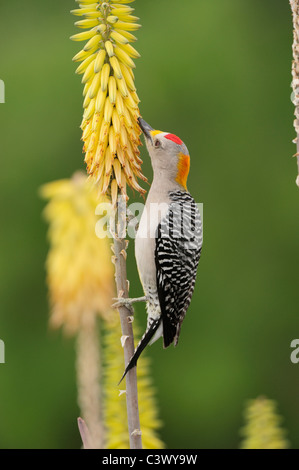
(105, 77)
(112, 89)
(99, 61)
(110, 128)
(115, 415)
(95, 85)
(109, 48)
(262, 429)
(116, 67)
(80, 287)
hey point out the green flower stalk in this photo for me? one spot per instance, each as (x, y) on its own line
(115, 416)
(262, 429)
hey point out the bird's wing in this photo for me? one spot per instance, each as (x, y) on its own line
(177, 253)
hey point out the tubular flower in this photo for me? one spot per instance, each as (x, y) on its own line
(262, 430)
(110, 128)
(115, 415)
(79, 269)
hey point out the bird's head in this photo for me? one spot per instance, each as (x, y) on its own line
(169, 155)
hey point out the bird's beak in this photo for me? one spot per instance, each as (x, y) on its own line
(146, 128)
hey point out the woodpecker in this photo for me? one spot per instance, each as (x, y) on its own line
(168, 241)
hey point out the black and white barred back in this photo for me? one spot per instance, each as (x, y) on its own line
(177, 254)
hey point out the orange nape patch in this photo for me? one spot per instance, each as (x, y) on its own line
(153, 133)
(183, 169)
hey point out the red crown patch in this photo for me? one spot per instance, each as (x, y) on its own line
(174, 138)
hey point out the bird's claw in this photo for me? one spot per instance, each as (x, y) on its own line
(124, 302)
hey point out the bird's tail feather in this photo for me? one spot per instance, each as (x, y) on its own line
(141, 345)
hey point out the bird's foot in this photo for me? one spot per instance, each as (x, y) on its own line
(123, 302)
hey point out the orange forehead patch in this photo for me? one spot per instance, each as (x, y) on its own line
(153, 133)
(183, 169)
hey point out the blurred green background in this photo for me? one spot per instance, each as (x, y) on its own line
(218, 75)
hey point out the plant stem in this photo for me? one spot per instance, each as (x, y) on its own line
(120, 246)
(88, 379)
(295, 73)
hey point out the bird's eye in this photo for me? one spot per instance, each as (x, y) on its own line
(157, 143)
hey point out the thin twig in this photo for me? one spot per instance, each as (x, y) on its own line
(120, 246)
(295, 73)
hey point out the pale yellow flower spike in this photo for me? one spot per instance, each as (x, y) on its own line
(80, 274)
(115, 416)
(262, 429)
(110, 97)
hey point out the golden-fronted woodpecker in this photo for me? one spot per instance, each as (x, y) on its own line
(168, 241)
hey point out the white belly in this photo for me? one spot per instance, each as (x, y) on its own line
(145, 242)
